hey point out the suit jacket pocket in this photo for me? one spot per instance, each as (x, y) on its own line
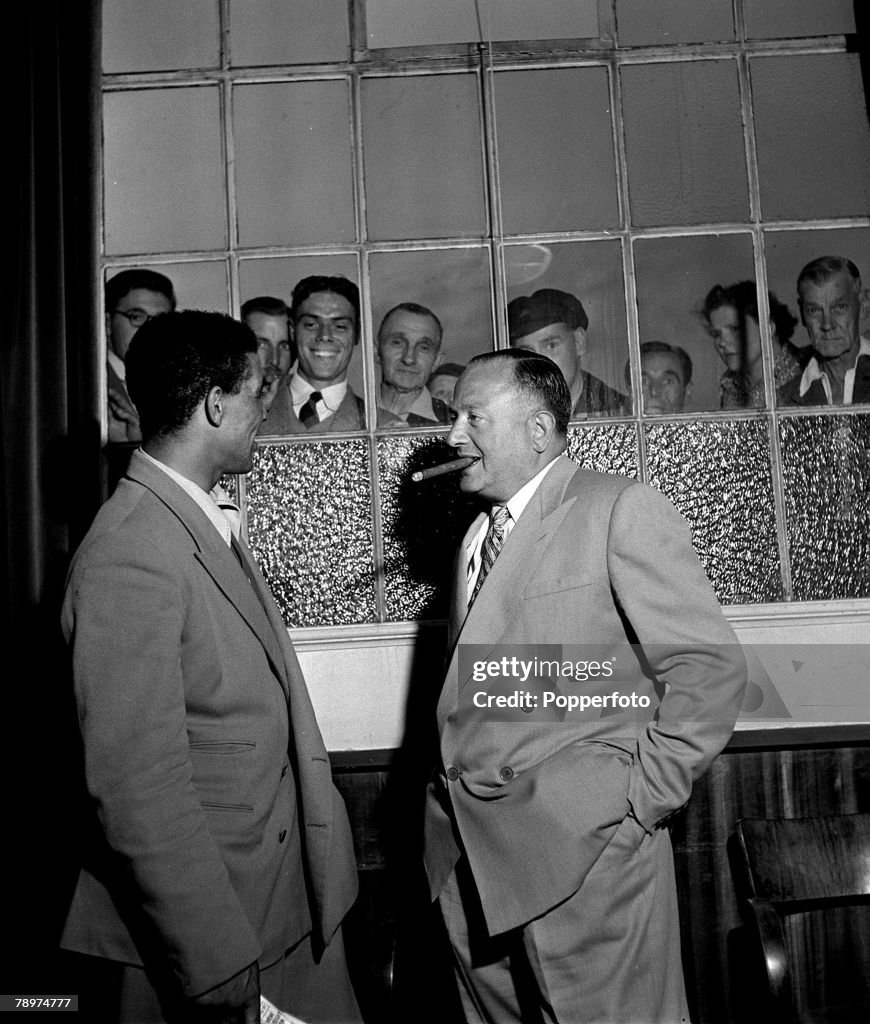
(556, 585)
(225, 773)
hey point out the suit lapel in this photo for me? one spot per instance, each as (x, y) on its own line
(502, 593)
(218, 561)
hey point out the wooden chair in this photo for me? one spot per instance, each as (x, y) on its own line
(786, 867)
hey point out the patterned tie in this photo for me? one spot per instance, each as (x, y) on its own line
(308, 413)
(499, 517)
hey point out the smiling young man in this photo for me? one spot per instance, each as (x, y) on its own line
(409, 349)
(545, 837)
(316, 398)
(832, 302)
(217, 860)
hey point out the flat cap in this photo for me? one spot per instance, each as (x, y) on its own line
(529, 313)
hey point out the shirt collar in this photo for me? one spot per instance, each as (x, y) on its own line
(205, 501)
(300, 389)
(117, 364)
(813, 372)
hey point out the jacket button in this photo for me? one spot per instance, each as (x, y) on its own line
(505, 774)
(452, 774)
(282, 835)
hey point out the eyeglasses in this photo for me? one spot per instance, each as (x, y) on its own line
(137, 317)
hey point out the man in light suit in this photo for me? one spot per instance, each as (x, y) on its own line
(219, 859)
(545, 837)
(315, 397)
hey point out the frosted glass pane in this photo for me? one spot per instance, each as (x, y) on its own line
(163, 171)
(294, 182)
(424, 22)
(673, 276)
(277, 32)
(606, 449)
(309, 511)
(641, 23)
(592, 273)
(684, 143)
(453, 283)
(161, 35)
(786, 252)
(806, 110)
(422, 152)
(772, 19)
(718, 476)
(826, 467)
(555, 147)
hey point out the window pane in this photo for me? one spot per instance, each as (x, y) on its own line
(771, 19)
(640, 23)
(555, 147)
(422, 151)
(590, 272)
(807, 109)
(309, 511)
(161, 35)
(455, 285)
(684, 143)
(718, 476)
(606, 449)
(275, 32)
(198, 285)
(163, 172)
(826, 465)
(678, 279)
(424, 22)
(294, 181)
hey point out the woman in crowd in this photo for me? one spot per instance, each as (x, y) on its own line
(730, 315)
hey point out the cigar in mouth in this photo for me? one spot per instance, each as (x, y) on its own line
(446, 467)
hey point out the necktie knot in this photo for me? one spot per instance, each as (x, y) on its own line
(308, 413)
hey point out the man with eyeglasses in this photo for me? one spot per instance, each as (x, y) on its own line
(133, 297)
(832, 303)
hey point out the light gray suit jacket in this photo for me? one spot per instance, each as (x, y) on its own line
(217, 836)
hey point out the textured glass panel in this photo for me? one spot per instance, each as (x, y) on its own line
(826, 470)
(422, 527)
(424, 22)
(641, 23)
(684, 143)
(772, 19)
(806, 109)
(309, 510)
(275, 32)
(555, 148)
(786, 252)
(674, 275)
(161, 35)
(422, 152)
(453, 283)
(293, 163)
(592, 273)
(163, 171)
(606, 449)
(718, 476)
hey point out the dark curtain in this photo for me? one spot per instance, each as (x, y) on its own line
(49, 431)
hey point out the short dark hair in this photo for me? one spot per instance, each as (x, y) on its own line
(268, 305)
(129, 280)
(448, 370)
(417, 310)
(743, 296)
(174, 360)
(309, 286)
(649, 347)
(539, 378)
(824, 268)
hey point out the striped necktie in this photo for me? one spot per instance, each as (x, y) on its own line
(499, 517)
(308, 413)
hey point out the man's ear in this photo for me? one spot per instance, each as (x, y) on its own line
(580, 342)
(439, 359)
(865, 303)
(687, 394)
(542, 427)
(214, 412)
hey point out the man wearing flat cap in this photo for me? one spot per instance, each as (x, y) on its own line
(553, 323)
